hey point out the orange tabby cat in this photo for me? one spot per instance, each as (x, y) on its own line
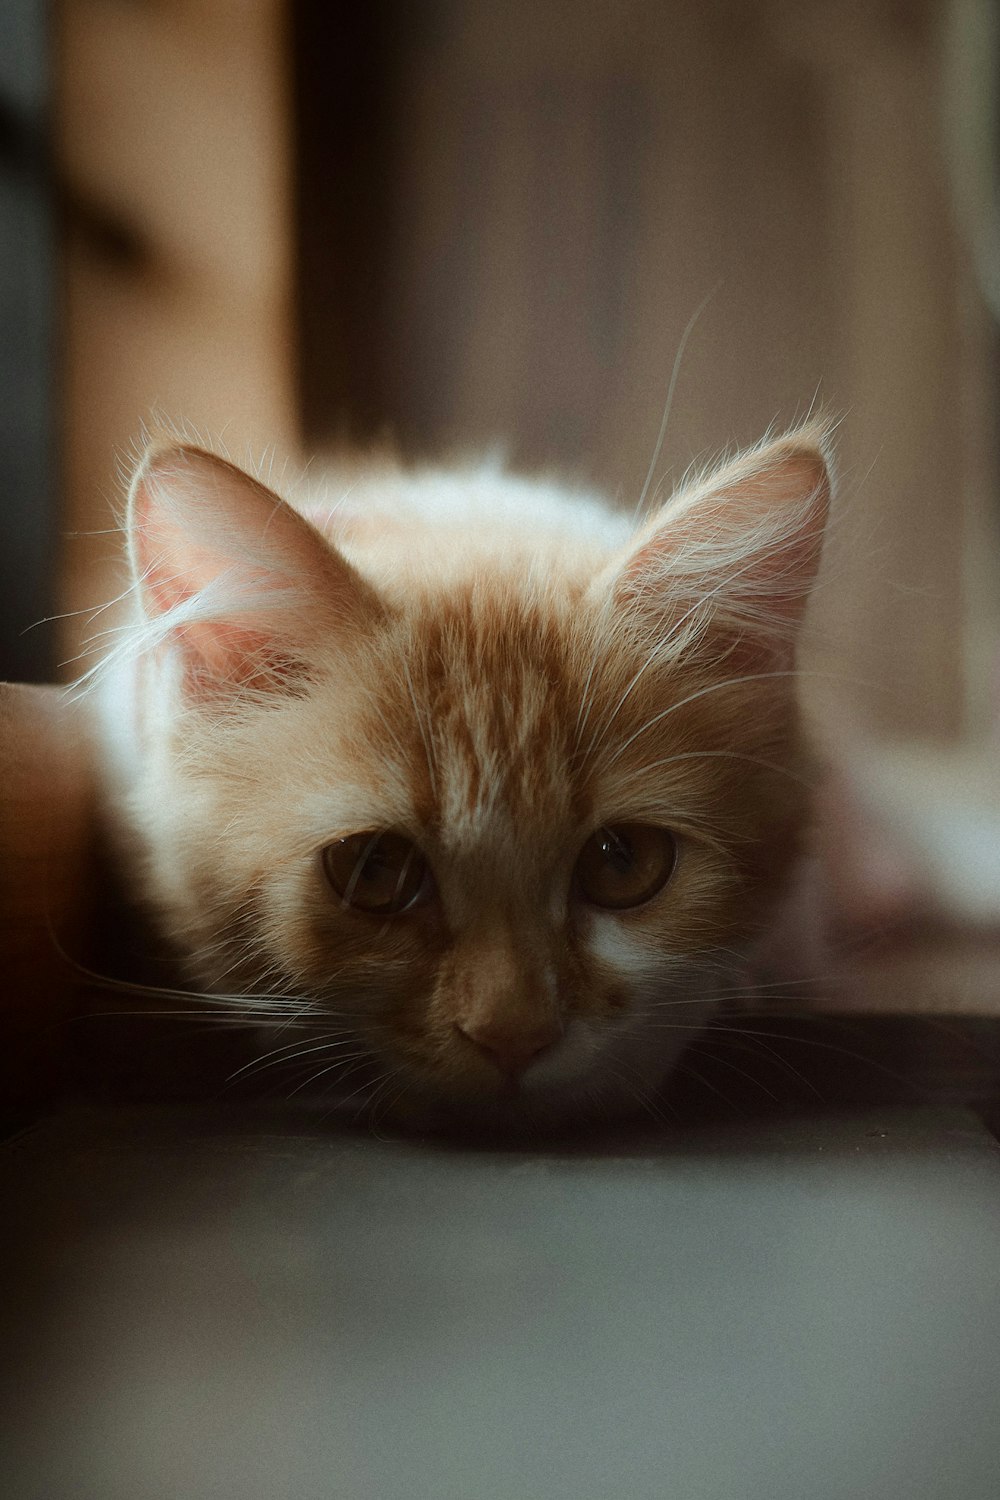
(488, 793)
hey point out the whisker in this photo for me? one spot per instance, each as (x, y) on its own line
(755, 1045)
(702, 692)
(292, 1051)
(349, 1064)
(752, 760)
(668, 404)
(714, 1029)
(421, 727)
(742, 1072)
(686, 1068)
(639, 1095)
(377, 1085)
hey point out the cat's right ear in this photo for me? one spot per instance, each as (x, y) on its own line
(239, 582)
(737, 551)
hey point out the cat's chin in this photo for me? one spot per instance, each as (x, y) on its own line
(594, 1077)
(486, 1119)
(525, 1111)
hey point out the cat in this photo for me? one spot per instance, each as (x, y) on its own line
(487, 792)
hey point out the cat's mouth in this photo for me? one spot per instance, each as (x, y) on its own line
(431, 1083)
(376, 1087)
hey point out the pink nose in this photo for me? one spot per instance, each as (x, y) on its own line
(510, 1049)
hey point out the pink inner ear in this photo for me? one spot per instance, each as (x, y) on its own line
(259, 581)
(220, 657)
(173, 568)
(746, 544)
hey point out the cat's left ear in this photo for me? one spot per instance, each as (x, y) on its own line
(736, 552)
(241, 584)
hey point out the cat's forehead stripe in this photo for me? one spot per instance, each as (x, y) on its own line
(494, 713)
(498, 682)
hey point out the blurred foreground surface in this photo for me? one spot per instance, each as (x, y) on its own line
(212, 1305)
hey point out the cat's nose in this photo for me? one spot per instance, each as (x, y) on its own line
(510, 1049)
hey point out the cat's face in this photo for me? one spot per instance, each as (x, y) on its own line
(506, 832)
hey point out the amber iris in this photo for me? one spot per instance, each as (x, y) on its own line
(626, 864)
(381, 873)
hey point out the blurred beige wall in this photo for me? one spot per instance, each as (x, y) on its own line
(173, 138)
(568, 183)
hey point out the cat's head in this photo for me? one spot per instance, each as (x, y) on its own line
(505, 809)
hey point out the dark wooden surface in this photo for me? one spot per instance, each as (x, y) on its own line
(211, 1305)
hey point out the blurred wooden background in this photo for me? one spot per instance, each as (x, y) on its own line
(297, 225)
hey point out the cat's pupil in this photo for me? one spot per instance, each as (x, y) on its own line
(625, 865)
(381, 873)
(616, 850)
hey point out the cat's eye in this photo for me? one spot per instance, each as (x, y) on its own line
(381, 873)
(626, 864)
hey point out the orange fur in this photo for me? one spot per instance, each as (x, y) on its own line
(493, 671)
